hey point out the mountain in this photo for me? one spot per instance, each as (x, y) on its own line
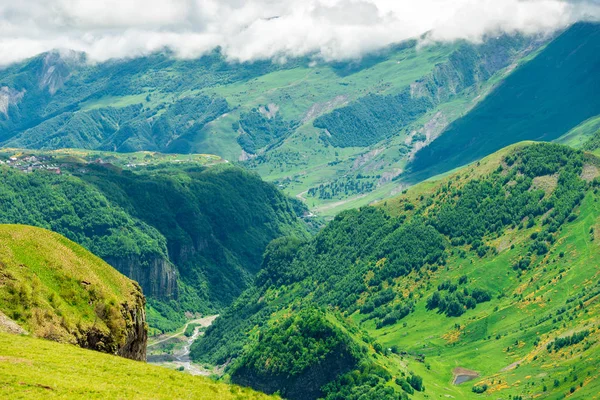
(481, 283)
(581, 134)
(326, 132)
(33, 368)
(190, 233)
(542, 100)
(57, 290)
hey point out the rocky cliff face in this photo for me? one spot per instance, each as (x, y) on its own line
(127, 332)
(136, 337)
(156, 274)
(56, 69)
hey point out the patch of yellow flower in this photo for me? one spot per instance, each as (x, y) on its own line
(453, 336)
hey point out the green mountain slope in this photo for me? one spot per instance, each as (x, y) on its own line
(55, 289)
(340, 129)
(192, 236)
(481, 284)
(542, 100)
(32, 369)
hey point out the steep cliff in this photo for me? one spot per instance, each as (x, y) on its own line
(57, 290)
(155, 274)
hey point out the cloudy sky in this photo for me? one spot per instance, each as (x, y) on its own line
(263, 29)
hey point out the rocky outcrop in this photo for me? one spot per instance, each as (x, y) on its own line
(136, 339)
(7, 325)
(9, 97)
(155, 273)
(70, 295)
(56, 69)
(127, 333)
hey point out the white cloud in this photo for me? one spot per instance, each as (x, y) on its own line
(259, 29)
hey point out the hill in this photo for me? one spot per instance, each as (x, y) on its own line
(332, 130)
(191, 235)
(542, 100)
(481, 284)
(32, 369)
(55, 289)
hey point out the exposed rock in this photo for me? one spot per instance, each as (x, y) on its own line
(366, 157)
(9, 97)
(56, 69)
(156, 275)
(589, 173)
(136, 340)
(7, 325)
(127, 335)
(245, 156)
(269, 111)
(318, 109)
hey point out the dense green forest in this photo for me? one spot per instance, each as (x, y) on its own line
(192, 236)
(372, 269)
(260, 130)
(345, 186)
(371, 119)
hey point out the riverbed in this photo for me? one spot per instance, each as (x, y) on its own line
(173, 350)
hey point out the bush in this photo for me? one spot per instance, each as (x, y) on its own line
(479, 388)
(416, 382)
(405, 385)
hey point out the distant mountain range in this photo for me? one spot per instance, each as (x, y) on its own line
(336, 135)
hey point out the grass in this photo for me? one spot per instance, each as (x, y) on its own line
(522, 318)
(577, 136)
(53, 287)
(34, 368)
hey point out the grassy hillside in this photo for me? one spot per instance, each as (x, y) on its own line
(481, 284)
(192, 236)
(32, 369)
(542, 100)
(55, 289)
(579, 135)
(348, 126)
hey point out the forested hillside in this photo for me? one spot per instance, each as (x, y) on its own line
(487, 276)
(192, 236)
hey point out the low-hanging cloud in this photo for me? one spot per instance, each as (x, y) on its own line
(248, 30)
